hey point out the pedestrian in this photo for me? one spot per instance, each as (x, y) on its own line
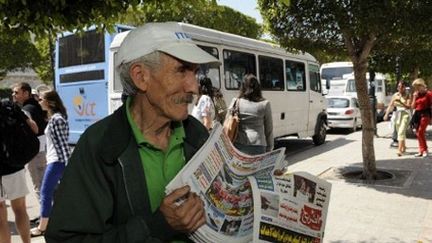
(401, 100)
(255, 134)
(13, 187)
(204, 109)
(421, 103)
(58, 153)
(113, 189)
(395, 142)
(22, 95)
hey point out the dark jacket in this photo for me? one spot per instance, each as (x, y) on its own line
(37, 114)
(103, 194)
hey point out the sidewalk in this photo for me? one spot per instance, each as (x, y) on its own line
(371, 213)
(358, 212)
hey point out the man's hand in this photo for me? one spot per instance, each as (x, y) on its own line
(187, 216)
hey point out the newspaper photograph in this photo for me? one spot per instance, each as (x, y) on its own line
(290, 208)
(231, 184)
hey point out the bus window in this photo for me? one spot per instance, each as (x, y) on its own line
(209, 71)
(351, 86)
(236, 66)
(379, 85)
(271, 73)
(86, 48)
(314, 76)
(82, 76)
(295, 76)
(330, 73)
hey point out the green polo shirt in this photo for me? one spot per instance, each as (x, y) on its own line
(160, 167)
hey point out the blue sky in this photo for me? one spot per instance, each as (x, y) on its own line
(248, 7)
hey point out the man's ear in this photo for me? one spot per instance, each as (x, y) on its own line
(140, 75)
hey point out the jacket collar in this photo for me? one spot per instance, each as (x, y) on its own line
(119, 128)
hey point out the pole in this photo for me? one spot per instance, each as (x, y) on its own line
(373, 101)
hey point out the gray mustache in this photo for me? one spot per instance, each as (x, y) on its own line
(184, 100)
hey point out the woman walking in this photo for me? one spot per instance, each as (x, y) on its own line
(204, 109)
(421, 103)
(402, 101)
(255, 134)
(57, 154)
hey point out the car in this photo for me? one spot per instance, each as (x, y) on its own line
(343, 112)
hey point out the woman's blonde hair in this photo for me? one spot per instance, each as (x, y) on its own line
(419, 82)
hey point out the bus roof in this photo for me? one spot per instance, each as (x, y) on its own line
(377, 76)
(218, 37)
(337, 64)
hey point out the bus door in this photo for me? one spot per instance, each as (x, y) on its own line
(81, 79)
(297, 99)
(317, 103)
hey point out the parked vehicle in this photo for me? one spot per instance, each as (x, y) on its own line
(343, 112)
(290, 81)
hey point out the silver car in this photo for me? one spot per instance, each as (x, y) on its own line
(343, 112)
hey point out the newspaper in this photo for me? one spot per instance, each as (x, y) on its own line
(245, 202)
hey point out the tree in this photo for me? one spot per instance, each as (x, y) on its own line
(353, 27)
(17, 51)
(40, 16)
(21, 20)
(199, 12)
(45, 66)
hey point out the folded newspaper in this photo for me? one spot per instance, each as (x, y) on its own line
(245, 202)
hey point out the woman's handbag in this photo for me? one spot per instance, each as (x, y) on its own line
(232, 122)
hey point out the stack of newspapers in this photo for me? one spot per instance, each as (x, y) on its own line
(245, 201)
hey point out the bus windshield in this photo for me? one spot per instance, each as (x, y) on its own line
(335, 73)
(79, 49)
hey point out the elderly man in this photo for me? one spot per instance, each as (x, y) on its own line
(113, 187)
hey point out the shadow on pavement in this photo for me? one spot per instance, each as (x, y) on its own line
(417, 184)
(295, 146)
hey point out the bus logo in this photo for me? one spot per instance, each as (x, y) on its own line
(83, 107)
(182, 35)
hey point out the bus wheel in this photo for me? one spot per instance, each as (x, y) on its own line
(320, 136)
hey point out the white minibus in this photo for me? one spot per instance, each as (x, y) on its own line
(290, 81)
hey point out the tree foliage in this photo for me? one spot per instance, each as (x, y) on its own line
(357, 28)
(40, 16)
(200, 12)
(20, 20)
(44, 19)
(45, 67)
(17, 51)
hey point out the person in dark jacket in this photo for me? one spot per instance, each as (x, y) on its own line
(22, 95)
(113, 188)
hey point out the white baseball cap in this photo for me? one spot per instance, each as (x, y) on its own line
(169, 38)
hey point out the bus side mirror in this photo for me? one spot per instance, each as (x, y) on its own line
(327, 84)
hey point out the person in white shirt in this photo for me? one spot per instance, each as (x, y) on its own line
(204, 109)
(57, 155)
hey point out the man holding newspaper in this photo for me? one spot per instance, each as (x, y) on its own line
(113, 189)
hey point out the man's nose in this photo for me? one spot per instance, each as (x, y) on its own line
(191, 83)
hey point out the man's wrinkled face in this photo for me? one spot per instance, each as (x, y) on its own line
(172, 86)
(19, 96)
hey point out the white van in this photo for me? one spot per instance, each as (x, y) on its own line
(346, 86)
(290, 81)
(339, 80)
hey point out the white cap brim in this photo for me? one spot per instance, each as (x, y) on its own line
(189, 52)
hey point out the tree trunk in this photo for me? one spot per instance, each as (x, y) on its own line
(51, 43)
(368, 130)
(359, 50)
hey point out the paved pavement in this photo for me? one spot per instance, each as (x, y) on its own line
(360, 212)
(372, 213)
